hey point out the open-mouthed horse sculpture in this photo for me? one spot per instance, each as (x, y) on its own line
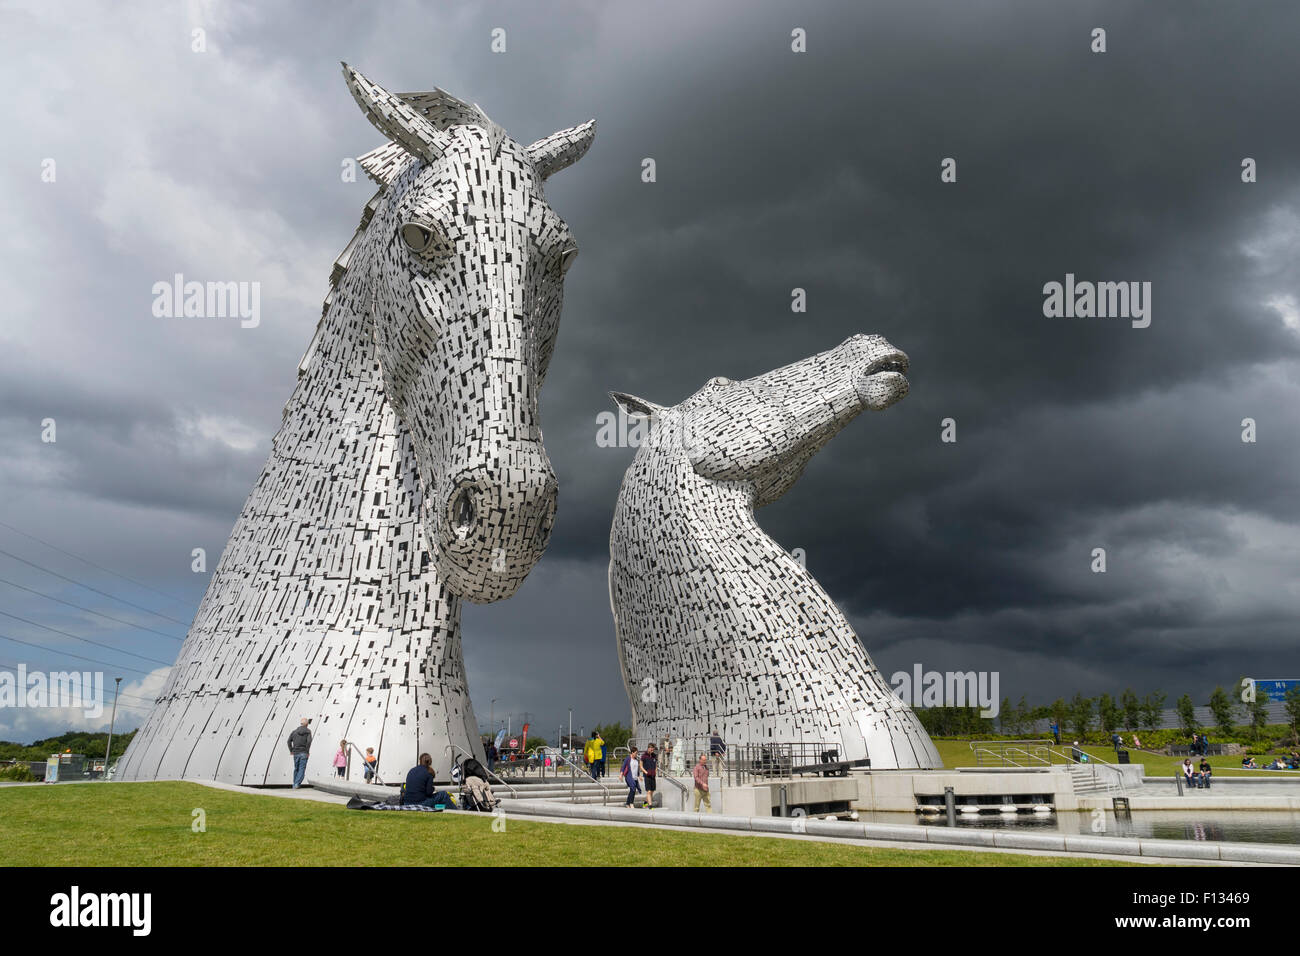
(718, 627)
(408, 471)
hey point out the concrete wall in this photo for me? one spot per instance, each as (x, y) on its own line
(885, 790)
(889, 789)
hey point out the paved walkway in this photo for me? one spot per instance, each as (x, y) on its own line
(288, 793)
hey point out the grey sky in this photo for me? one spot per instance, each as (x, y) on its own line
(775, 170)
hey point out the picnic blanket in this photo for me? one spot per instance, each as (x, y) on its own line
(356, 803)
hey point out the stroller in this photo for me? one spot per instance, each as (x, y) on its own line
(475, 794)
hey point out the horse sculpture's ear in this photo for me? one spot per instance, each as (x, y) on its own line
(634, 407)
(561, 149)
(396, 118)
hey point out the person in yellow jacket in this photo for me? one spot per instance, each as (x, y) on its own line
(595, 754)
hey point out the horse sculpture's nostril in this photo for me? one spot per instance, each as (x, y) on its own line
(462, 513)
(542, 534)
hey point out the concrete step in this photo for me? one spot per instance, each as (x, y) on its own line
(1085, 782)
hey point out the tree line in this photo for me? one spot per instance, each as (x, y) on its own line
(1128, 712)
(76, 741)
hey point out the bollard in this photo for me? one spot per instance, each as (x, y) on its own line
(950, 802)
(785, 808)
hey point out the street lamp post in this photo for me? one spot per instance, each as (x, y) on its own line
(117, 686)
(492, 715)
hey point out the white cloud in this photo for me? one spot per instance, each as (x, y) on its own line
(1287, 308)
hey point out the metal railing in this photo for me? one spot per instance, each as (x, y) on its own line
(538, 760)
(364, 765)
(676, 783)
(489, 772)
(1032, 754)
(746, 762)
(742, 763)
(574, 772)
(1012, 753)
(667, 750)
(1092, 765)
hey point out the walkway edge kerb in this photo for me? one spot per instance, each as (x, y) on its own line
(935, 835)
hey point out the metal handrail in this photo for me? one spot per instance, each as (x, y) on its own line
(574, 770)
(364, 765)
(491, 773)
(1004, 751)
(676, 783)
(1095, 762)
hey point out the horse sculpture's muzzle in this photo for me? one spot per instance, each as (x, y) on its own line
(495, 523)
(883, 380)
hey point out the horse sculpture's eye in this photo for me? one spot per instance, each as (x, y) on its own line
(567, 257)
(425, 240)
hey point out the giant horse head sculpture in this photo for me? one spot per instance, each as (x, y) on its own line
(468, 279)
(762, 431)
(729, 630)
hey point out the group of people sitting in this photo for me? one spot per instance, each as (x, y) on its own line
(1199, 778)
(1278, 763)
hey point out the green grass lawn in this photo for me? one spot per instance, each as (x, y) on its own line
(149, 824)
(957, 753)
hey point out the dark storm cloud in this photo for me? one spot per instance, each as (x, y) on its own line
(775, 171)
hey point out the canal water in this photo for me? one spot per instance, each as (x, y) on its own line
(1241, 826)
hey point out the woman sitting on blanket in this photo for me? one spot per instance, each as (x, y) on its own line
(419, 786)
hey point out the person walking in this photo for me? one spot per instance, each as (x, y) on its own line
(630, 771)
(650, 773)
(341, 758)
(717, 751)
(300, 749)
(702, 785)
(492, 755)
(1056, 733)
(590, 755)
